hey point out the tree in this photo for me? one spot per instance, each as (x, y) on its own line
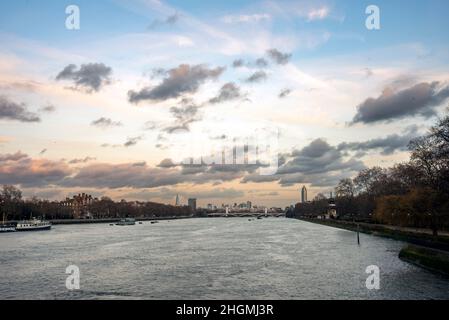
(371, 181)
(431, 154)
(345, 189)
(10, 199)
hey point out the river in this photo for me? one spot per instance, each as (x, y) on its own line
(209, 258)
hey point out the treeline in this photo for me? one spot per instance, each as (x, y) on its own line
(14, 207)
(412, 194)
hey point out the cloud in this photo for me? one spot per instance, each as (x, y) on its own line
(387, 145)
(48, 109)
(279, 57)
(106, 145)
(420, 99)
(318, 13)
(11, 110)
(90, 77)
(114, 176)
(105, 123)
(20, 169)
(12, 157)
(166, 163)
(261, 63)
(257, 77)
(184, 115)
(43, 194)
(150, 125)
(318, 163)
(180, 80)
(82, 160)
(170, 21)
(132, 141)
(229, 91)
(246, 18)
(238, 63)
(284, 93)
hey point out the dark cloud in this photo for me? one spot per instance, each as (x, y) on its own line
(420, 99)
(132, 141)
(82, 160)
(90, 77)
(22, 170)
(229, 91)
(238, 63)
(387, 145)
(11, 110)
(12, 157)
(105, 123)
(170, 21)
(284, 93)
(257, 76)
(43, 194)
(104, 175)
(184, 115)
(261, 63)
(279, 57)
(184, 79)
(318, 163)
(166, 163)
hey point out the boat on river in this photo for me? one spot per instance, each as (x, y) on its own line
(7, 227)
(127, 222)
(33, 225)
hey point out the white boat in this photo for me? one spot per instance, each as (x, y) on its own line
(127, 222)
(33, 225)
(7, 227)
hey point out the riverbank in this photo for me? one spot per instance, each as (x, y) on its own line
(428, 258)
(421, 237)
(109, 220)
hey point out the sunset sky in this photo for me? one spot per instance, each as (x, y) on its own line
(108, 108)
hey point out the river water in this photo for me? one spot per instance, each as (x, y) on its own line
(212, 258)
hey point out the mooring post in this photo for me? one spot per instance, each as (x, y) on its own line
(358, 236)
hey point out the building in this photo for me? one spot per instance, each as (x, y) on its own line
(177, 202)
(304, 194)
(249, 205)
(332, 209)
(192, 204)
(80, 205)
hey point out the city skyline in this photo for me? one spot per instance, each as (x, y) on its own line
(104, 109)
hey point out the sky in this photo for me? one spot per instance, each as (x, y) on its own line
(141, 100)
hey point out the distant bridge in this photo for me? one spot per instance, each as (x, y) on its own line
(246, 214)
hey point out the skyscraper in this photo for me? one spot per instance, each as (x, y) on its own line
(177, 201)
(192, 204)
(304, 194)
